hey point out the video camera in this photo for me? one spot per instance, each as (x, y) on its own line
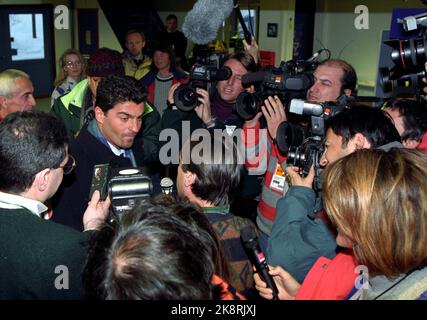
(305, 147)
(125, 186)
(409, 57)
(206, 70)
(290, 80)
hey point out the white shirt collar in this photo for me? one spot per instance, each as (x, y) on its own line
(13, 201)
(115, 150)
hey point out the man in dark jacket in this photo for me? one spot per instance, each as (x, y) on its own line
(39, 259)
(76, 108)
(110, 138)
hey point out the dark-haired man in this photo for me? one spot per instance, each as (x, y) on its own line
(39, 259)
(410, 120)
(76, 108)
(210, 179)
(109, 138)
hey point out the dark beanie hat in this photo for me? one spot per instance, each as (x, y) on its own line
(104, 62)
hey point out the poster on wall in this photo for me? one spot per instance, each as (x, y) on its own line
(88, 30)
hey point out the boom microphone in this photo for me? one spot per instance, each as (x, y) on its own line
(257, 258)
(202, 23)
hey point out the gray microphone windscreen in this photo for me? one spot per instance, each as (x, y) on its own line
(202, 23)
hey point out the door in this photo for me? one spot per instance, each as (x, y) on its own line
(27, 44)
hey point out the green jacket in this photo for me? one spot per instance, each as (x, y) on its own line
(69, 109)
(39, 259)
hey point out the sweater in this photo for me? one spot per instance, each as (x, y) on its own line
(39, 259)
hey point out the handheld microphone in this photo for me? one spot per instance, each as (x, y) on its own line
(257, 258)
(202, 23)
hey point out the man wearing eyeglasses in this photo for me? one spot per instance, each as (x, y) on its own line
(39, 259)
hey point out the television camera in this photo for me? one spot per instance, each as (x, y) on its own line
(409, 57)
(290, 80)
(206, 70)
(304, 147)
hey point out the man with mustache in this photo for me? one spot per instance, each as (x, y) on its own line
(108, 138)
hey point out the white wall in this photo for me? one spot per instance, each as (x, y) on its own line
(282, 13)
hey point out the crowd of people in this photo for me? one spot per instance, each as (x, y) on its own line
(362, 235)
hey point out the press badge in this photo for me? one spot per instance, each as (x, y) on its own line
(279, 179)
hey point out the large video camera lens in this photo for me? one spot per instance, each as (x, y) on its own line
(290, 135)
(249, 104)
(407, 54)
(185, 98)
(411, 81)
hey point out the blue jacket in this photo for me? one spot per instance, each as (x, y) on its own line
(298, 238)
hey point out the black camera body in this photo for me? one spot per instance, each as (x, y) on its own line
(304, 147)
(201, 75)
(408, 57)
(126, 187)
(291, 80)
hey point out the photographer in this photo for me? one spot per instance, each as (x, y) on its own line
(216, 108)
(216, 111)
(333, 78)
(301, 233)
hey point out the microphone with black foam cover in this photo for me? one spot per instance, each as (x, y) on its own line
(202, 23)
(257, 258)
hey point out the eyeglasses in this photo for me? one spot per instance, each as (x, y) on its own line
(69, 166)
(70, 64)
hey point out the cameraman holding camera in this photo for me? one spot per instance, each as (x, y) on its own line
(215, 109)
(333, 78)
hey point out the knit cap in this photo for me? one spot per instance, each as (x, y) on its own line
(104, 62)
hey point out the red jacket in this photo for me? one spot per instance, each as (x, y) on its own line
(329, 279)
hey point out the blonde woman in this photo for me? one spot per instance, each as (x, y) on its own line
(71, 71)
(377, 201)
